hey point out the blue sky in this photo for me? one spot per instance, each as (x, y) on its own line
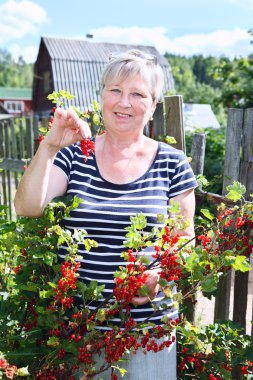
(187, 27)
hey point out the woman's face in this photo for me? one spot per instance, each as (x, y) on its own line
(127, 104)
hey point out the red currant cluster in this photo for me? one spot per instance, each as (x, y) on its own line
(85, 355)
(170, 267)
(63, 372)
(128, 288)
(87, 147)
(66, 283)
(169, 238)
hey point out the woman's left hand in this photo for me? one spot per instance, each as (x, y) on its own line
(152, 284)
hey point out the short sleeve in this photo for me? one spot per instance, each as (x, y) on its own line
(64, 159)
(183, 178)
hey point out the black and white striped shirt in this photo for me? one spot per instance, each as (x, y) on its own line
(106, 209)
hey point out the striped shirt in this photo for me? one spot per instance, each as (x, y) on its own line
(106, 209)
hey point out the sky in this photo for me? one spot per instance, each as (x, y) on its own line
(184, 27)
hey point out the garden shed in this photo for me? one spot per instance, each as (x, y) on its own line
(76, 66)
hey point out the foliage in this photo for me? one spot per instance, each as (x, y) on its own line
(236, 79)
(222, 346)
(222, 82)
(14, 74)
(195, 82)
(47, 329)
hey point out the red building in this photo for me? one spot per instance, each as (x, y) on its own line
(16, 101)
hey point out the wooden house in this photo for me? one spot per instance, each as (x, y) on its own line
(16, 101)
(76, 66)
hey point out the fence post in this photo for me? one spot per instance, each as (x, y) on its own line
(230, 174)
(246, 178)
(158, 122)
(30, 132)
(174, 123)
(198, 153)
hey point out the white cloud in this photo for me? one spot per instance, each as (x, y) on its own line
(247, 4)
(230, 43)
(19, 18)
(29, 53)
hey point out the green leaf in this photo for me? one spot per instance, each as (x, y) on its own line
(144, 260)
(191, 260)
(169, 140)
(52, 284)
(139, 221)
(53, 341)
(174, 207)
(95, 106)
(242, 264)
(96, 119)
(207, 213)
(66, 94)
(144, 291)
(235, 191)
(209, 285)
(31, 286)
(43, 130)
(122, 371)
(160, 218)
(23, 372)
(101, 314)
(162, 282)
(46, 293)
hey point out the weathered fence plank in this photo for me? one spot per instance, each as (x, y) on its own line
(230, 174)
(174, 123)
(246, 178)
(233, 146)
(198, 153)
(158, 122)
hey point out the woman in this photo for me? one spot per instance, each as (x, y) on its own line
(128, 173)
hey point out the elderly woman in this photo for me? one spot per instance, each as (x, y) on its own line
(128, 173)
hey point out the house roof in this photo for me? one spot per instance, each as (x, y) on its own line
(15, 93)
(199, 116)
(77, 65)
(82, 50)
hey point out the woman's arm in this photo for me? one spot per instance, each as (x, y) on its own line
(42, 181)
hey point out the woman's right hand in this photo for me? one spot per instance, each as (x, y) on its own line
(67, 128)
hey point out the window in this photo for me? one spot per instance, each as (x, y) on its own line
(14, 106)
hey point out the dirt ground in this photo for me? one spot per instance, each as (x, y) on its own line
(205, 307)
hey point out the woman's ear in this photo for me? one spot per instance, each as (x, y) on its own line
(153, 107)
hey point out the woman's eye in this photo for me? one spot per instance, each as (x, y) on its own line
(115, 90)
(137, 94)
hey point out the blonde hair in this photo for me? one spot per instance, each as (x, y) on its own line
(131, 63)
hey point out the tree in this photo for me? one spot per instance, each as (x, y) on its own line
(236, 78)
(14, 74)
(194, 80)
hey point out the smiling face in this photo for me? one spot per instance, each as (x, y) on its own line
(127, 104)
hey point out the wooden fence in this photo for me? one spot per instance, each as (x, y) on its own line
(19, 138)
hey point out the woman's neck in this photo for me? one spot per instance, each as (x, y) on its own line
(124, 142)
